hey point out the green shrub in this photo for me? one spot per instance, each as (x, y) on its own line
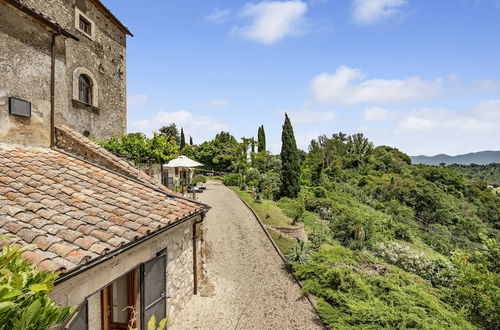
(293, 208)
(270, 185)
(301, 253)
(24, 294)
(252, 174)
(232, 180)
(477, 283)
(355, 292)
(199, 178)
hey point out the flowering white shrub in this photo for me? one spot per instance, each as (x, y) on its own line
(437, 271)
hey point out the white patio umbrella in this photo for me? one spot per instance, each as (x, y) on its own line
(183, 161)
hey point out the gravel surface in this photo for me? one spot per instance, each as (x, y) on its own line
(251, 290)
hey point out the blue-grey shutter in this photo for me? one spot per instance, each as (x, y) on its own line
(153, 287)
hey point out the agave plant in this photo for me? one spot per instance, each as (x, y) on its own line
(301, 253)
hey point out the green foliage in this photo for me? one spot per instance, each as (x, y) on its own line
(171, 133)
(290, 162)
(388, 159)
(355, 291)
(261, 139)
(182, 142)
(270, 185)
(293, 208)
(199, 178)
(300, 254)
(232, 180)
(24, 294)
(477, 283)
(489, 173)
(140, 149)
(219, 154)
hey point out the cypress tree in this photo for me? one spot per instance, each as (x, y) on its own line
(190, 140)
(261, 139)
(290, 162)
(183, 140)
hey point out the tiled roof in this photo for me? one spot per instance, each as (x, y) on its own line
(73, 211)
(75, 143)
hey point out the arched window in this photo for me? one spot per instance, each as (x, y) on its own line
(85, 89)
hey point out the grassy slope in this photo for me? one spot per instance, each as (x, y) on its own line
(268, 211)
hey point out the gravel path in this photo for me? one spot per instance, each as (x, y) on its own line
(250, 288)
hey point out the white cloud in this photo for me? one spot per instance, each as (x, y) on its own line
(303, 140)
(440, 130)
(200, 128)
(271, 21)
(486, 85)
(216, 103)
(489, 110)
(310, 117)
(136, 99)
(219, 15)
(367, 12)
(414, 123)
(346, 86)
(378, 114)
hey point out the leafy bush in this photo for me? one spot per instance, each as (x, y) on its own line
(293, 208)
(357, 293)
(140, 149)
(301, 253)
(252, 174)
(199, 178)
(475, 288)
(232, 180)
(24, 294)
(270, 185)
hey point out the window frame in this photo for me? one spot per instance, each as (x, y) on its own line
(79, 15)
(87, 97)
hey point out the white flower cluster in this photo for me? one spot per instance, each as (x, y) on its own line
(437, 271)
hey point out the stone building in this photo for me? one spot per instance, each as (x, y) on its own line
(61, 61)
(122, 241)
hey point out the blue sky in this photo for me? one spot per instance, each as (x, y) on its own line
(420, 75)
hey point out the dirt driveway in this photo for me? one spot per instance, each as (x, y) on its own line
(251, 289)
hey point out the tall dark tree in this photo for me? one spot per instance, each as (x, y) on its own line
(261, 139)
(171, 132)
(183, 140)
(290, 162)
(190, 140)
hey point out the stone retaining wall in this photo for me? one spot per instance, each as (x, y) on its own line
(292, 232)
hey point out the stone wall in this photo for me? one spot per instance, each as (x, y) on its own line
(178, 243)
(25, 69)
(25, 66)
(154, 171)
(291, 232)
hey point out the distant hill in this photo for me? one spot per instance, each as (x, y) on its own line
(481, 158)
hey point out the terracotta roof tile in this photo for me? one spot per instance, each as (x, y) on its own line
(74, 211)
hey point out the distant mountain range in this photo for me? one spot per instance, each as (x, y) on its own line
(481, 158)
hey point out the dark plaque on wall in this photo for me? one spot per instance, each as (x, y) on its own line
(19, 107)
